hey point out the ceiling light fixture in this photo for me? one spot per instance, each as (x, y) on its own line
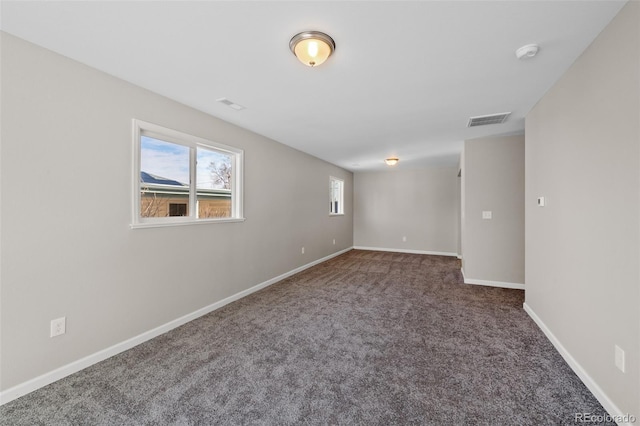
(312, 48)
(528, 51)
(392, 161)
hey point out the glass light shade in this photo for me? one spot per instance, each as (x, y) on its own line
(391, 161)
(312, 48)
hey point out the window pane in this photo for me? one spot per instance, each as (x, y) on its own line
(336, 196)
(213, 183)
(164, 177)
(177, 209)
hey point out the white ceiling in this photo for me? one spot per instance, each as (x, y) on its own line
(404, 79)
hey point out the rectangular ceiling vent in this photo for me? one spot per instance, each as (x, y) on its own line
(230, 104)
(483, 120)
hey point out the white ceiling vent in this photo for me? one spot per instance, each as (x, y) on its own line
(230, 104)
(483, 120)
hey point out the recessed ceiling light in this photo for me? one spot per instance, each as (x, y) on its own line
(230, 104)
(528, 51)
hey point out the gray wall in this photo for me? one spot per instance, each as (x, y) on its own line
(493, 180)
(419, 204)
(582, 249)
(67, 248)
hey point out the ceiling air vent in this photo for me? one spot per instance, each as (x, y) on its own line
(483, 120)
(230, 104)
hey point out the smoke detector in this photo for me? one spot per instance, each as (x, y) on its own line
(527, 51)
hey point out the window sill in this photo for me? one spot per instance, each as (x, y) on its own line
(190, 222)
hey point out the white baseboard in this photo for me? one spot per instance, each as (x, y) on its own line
(459, 256)
(500, 284)
(75, 366)
(588, 381)
(394, 250)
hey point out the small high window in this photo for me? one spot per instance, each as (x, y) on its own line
(336, 195)
(182, 179)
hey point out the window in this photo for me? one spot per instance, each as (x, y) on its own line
(177, 209)
(336, 196)
(181, 179)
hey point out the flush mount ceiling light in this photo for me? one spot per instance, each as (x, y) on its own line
(392, 161)
(312, 48)
(528, 51)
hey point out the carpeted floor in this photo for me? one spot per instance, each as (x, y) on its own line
(366, 338)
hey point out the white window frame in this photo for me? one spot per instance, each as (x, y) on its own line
(340, 196)
(143, 128)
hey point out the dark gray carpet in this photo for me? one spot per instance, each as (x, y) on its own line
(365, 338)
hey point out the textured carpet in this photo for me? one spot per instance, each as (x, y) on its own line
(365, 338)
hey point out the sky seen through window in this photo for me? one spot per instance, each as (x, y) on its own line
(171, 161)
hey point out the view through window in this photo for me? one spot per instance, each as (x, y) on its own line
(336, 196)
(181, 178)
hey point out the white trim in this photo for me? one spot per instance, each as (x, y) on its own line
(501, 284)
(394, 250)
(459, 256)
(588, 381)
(75, 366)
(190, 222)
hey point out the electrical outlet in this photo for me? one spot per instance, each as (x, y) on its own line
(404, 238)
(334, 241)
(619, 358)
(302, 250)
(58, 326)
(487, 214)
